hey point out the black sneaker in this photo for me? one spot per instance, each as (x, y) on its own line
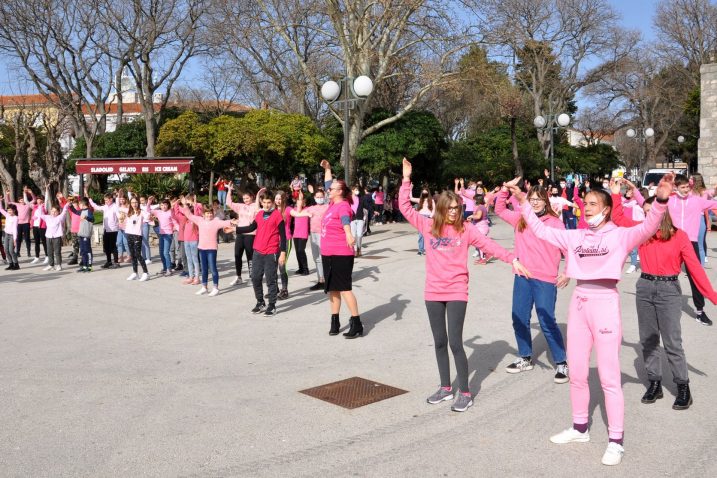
(317, 286)
(271, 310)
(703, 319)
(258, 308)
(106, 265)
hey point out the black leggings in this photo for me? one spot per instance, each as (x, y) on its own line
(135, 251)
(453, 313)
(39, 234)
(244, 243)
(109, 245)
(23, 231)
(697, 298)
(300, 246)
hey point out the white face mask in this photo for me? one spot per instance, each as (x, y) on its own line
(605, 185)
(319, 201)
(596, 220)
(562, 185)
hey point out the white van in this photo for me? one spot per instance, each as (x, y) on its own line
(654, 175)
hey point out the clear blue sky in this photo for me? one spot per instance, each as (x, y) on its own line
(636, 14)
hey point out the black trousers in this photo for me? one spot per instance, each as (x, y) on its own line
(39, 234)
(300, 246)
(109, 245)
(23, 231)
(697, 298)
(135, 251)
(264, 266)
(244, 244)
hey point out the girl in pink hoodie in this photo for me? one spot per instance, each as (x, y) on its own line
(446, 290)
(594, 257)
(543, 260)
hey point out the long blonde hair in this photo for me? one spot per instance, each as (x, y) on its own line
(441, 210)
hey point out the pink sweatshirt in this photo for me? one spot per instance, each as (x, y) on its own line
(596, 254)
(55, 224)
(208, 230)
(10, 223)
(191, 231)
(687, 212)
(301, 227)
(468, 196)
(75, 221)
(541, 258)
(317, 211)
(23, 212)
(245, 213)
(447, 256)
(133, 224)
(110, 221)
(166, 226)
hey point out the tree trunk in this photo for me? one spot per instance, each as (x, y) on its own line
(355, 132)
(120, 100)
(150, 126)
(211, 187)
(514, 143)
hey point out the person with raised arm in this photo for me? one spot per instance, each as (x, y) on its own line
(317, 213)
(191, 240)
(244, 243)
(84, 233)
(594, 258)
(541, 290)
(209, 228)
(110, 224)
(446, 287)
(54, 231)
(23, 208)
(10, 237)
(39, 227)
(166, 234)
(134, 219)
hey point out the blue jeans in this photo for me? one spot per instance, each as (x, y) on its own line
(222, 197)
(122, 244)
(208, 258)
(146, 251)
(165, 243)
(569, 219)
(192, 253)
(701, 240)
(527, 292)
(421, 245)
(633, 257)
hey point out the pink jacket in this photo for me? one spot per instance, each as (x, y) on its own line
(75, 221)
(541, 258)
(37, 213)
(687, 212)
(208, 230)
(593, 255)
(447, 256)
(245, 213)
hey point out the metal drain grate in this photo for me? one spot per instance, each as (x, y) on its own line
(353, 392)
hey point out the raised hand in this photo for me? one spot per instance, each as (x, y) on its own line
(615, 185)
(325, 164)
(666, 186)
(629, 183)
(407, 169)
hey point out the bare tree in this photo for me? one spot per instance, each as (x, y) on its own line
(293, 46)
(595, 124)
(551, 40)
(160, 36)
(687, 30)
(59, 52)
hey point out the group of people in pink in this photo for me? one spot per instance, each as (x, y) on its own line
(605, 226)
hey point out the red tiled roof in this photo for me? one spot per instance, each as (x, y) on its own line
(26, 100)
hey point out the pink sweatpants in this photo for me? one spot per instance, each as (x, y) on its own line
(594, 320)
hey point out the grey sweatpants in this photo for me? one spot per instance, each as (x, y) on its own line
(54, 250)
(659, 309)
(316, 252)
(9, 243)
(453, 314)
(264, 265)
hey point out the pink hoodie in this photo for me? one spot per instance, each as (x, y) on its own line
(55, 224)
(245, 213)
(686, 212)
(600, 254)
(208, 230)
(447, 256)
(541, 258)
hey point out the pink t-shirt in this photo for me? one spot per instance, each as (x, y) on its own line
(317, 213)
(166, 225)
(23, 212)
(287, 221)
(75, 220)
(333, 237)
(468, 196)
(378, 198)
(208, 230)
(301, 227)
(245, 213)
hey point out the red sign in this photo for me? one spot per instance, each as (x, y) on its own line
(133, 166)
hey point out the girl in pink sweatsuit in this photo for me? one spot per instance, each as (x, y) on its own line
(594, 257)
(446, 290)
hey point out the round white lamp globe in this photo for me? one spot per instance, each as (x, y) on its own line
(330, 91)
(649, 133)
(631, 133)
(539, 122)
(563, 120)
(363, 86)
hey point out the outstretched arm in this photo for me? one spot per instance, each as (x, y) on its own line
(404, 200)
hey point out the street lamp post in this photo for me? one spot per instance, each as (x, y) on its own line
(354, 90)
(641, 135)
(552, 122)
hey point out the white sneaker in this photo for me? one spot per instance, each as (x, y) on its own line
(613, 454)
(144, 278)
(707, 259)
(58, 267)
(132, 276)
(148, 261)
(237, 281)
(214, 292)
(46, 261)
(47, 268)
(35, 260)
(520, 365)
(631, 269)
(476, 254)
(570, 435)
(201, 291)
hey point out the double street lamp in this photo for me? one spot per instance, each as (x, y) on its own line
(354, 90)
(552, 122)
(641, 134)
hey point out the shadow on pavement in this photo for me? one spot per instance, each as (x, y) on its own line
(484, 358)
